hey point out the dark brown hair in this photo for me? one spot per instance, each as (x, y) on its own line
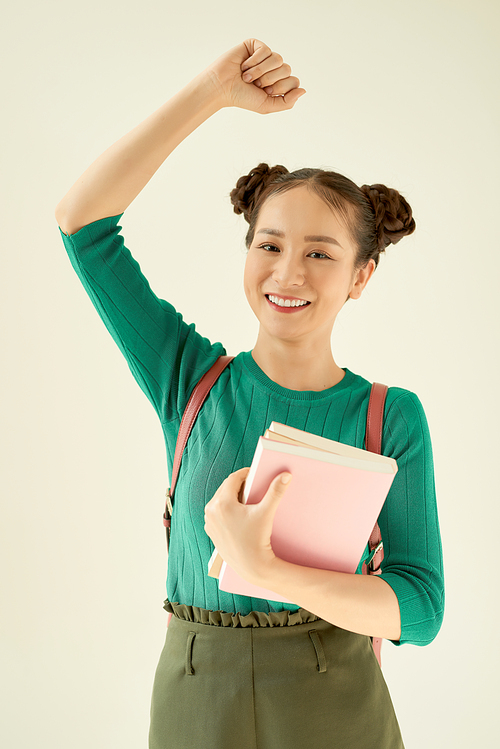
(375, 215)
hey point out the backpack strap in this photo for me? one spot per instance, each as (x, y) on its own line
(373, 443)
(194, 404)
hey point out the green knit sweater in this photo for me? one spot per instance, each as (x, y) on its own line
(167, 358)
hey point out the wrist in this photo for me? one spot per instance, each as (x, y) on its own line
(206, 89)
(263, 572)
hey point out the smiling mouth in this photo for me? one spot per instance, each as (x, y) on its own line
(287, 304)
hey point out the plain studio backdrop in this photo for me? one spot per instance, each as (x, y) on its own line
(403, 93)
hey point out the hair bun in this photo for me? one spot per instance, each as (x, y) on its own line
(248, 188)
(393, 215)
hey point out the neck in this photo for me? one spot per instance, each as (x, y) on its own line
(297, 366)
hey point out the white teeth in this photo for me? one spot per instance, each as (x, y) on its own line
(286, 302)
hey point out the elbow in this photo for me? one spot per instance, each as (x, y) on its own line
(60, 218)
(59, 212)
(426, 634)
(67, 220)
(436, 604)
(67, 227)
(429, 629)
(421, 604)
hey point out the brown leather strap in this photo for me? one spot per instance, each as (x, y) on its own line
(194, 404)
(373, 443)
(374, 418)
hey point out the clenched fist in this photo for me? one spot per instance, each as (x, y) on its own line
(252, 76)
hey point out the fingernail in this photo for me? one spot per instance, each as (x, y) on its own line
(285, 478)
(247, 77)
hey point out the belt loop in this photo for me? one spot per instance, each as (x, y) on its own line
(320, 653)
(189, 649)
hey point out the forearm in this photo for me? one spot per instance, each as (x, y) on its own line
(365, 604)
(116, 177)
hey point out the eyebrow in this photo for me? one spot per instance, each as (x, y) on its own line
(310, 238)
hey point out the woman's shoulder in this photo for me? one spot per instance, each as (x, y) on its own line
(404, 403)
(402, 398)
(405, 422)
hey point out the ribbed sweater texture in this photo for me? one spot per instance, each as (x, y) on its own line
(167, 357)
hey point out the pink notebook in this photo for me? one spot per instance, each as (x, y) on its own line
(327, 513)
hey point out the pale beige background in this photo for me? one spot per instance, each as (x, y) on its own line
(398, 92)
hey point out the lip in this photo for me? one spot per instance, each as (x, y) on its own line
(296, 298)
(287, 310)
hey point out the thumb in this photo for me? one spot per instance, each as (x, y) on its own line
(294, 95)
(278, 486)
(284, 101)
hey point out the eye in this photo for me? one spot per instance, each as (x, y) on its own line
(320, 254)
(263, 246)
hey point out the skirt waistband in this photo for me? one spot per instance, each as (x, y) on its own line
(227, 619)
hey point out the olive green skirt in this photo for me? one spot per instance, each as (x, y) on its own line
(267, 681)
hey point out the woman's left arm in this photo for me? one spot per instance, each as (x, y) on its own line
(242, 535)
(365, 604)
(404, 604)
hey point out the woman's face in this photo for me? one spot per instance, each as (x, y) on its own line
(290, 258)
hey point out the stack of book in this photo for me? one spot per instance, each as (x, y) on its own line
(329, 509)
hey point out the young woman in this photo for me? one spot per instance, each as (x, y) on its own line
(238, 671)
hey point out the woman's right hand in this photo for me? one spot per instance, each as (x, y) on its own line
(267, 69)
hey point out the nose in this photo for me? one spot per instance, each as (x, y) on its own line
(288, 271)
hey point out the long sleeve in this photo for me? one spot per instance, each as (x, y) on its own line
(166, 356)
(413, 561)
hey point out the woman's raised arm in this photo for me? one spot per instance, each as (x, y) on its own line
(119, 174)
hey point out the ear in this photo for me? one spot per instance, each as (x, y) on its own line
(361, 278)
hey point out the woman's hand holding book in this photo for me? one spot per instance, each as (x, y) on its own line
(242, 532)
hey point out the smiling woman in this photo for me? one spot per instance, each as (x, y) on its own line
(327, 238)
(235, 670)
